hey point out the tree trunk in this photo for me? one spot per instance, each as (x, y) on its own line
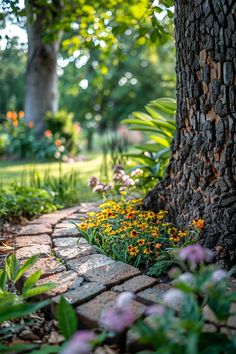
(41, 74)
(201, 177)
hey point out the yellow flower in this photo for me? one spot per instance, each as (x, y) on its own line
(155, 234)
(175, 238)
(83, 226)
(92, 213)
(133, 251)
(133, 233)
(161, 214)
(199, 223)
(141, 242)
(147, 251)
(182, 233)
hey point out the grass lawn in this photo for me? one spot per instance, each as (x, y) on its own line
(17, 171)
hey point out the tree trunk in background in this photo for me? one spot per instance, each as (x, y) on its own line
(41, 74)
(201, 177)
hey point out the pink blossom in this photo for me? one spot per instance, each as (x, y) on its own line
(218, 275)
(125, 299)
(155, 310)
(195, 254)
(121, 316)
(93, 181)
(80, 343)
(117, 319)
(173, 298)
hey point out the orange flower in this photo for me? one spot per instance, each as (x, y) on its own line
(130, 216)
(15, 123)
(14, 116)
(48, 133)
(133, 233)
(21, 114)
(199, 223)
(9, 115)
(31, 124)
(58, 142)
(158, 246)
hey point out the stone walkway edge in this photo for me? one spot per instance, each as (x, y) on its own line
(89, 280)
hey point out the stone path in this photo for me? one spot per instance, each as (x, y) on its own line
(90, 281)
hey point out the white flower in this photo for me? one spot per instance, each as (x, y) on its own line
(186, 278)
(125, 299)
(136, 172)
(173, 298)
(218, 275)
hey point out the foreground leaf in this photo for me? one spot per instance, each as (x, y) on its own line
(10, 312)
(66, 317)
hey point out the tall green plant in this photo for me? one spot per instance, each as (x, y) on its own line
(158, 125)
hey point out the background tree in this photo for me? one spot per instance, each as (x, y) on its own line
(91, 24)
(200, 179)
(12, 76)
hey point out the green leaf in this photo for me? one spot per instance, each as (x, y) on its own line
(17, 348)
(27, 265)
(10, 312)
(148, 147)
(12, 267)
(50, 349)
(31, 281)
(3, 279)
(38, 290)
(66, 317)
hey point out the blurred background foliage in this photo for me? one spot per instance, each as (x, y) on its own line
(116, 57)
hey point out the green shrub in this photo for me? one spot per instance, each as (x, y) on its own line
(17, 201)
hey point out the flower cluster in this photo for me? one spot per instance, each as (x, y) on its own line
(127, 233)
(21, 141)
(120, 184)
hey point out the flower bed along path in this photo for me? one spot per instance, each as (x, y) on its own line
(89, 280)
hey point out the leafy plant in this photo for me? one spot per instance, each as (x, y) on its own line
(64, 188)
(159, 125)
(195, 315)
(17, 201)
(67, 318)
(12, 273)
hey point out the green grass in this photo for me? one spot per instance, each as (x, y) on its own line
(17, 171)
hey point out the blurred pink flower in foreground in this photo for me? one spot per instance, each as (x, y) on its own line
(80, 343)
(121, 316)
(196, 254)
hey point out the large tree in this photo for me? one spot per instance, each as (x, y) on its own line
(201, 177)
(41, 93)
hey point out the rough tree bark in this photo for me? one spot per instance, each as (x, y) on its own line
(41, 73)
(201, 177)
